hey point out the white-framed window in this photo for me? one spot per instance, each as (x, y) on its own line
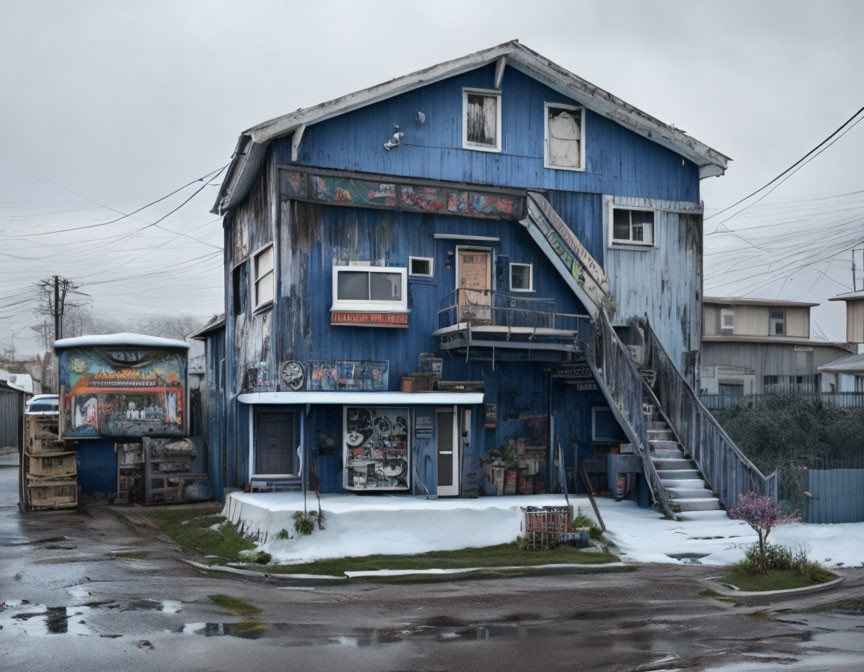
(521, 277)
(372, 288)
(564, 137)
(481, 120)
(777, 322)
(422, 267)
(263, 287)
(727, 319)
(632, 227)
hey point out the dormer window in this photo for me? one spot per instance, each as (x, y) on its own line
(481, 120)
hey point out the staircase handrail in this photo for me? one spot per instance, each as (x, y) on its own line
(622, 385)
(726, 469)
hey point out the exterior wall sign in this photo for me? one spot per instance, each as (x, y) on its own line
(349, 375)
(122, 392)
(490, 415)
(360, 190)
(357, 319)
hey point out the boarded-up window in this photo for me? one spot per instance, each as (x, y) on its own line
(263, 289)
(564, 137)
(482, 120)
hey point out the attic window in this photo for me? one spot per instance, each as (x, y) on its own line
(564, 146)
(633, 227)
(481, 120)
(263, 289)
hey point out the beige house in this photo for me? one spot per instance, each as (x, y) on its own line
(754, 346)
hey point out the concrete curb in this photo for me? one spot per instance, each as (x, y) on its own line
(392, 572)
(721, 589)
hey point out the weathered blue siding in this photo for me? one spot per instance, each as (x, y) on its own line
(618, 161)
(97, 467)
(838, 496)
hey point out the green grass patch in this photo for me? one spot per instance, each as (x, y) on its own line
(503, 555)
(192, 531)
(776, 579)
(235, 605)
(484, 575)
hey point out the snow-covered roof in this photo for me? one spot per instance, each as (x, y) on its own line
(22, 382)
(850, 364)
(122, 339)
(252, 143)
(734, 301)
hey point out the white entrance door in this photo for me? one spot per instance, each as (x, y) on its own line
(448, 452)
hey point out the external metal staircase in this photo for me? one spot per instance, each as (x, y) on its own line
(692, 467)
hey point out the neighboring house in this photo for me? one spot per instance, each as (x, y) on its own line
(477, 222)
(854, 314)
(844, 375)
(756, 346)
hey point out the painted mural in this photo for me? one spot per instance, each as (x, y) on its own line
(349, 375)
(122, 392)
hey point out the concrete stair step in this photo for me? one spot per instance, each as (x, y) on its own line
(695, 504)
(712, 514)
(692, 483)
(689, 493)
(678, 474)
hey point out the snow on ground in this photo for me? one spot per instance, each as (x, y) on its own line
(382, 524)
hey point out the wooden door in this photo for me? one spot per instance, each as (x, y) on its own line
(275, 444)
(448, 452)
(474, 285)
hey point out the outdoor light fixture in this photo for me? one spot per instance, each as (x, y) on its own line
(395, 139)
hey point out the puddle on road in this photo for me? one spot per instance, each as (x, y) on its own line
(290, 634)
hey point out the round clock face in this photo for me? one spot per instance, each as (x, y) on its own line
(292, 375)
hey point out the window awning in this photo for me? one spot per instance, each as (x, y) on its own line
(363, 398)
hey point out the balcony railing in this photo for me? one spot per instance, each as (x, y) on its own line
(489, 308)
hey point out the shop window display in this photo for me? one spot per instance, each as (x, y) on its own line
(376, 448)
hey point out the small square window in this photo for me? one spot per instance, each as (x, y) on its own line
(633, 227)
(422, 267)
(263, 289)
(481, 120)
(564, 147)
(521, 278)
(777, 321)
(727, 320)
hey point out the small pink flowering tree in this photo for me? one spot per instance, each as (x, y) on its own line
(763, 514)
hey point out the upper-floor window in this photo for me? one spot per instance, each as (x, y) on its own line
(422, 267)
(564, 147)
(633, 227)
(263, 287)
(374, 288)
(777, 322)
(727, 320)
(521, 277)
(481, 120)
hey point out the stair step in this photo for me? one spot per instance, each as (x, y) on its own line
(672, 463)
(678, 474)
(668, 454)
(691, 483)
(689, 493)
(668, 445)
(660, 435)
(656, 424)
(695, 504)
(713, 514)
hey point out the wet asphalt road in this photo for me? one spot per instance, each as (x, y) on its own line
(82, 591)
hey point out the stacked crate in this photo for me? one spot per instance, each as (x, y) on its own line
(50, 468)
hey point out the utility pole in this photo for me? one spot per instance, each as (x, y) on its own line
(57, 333)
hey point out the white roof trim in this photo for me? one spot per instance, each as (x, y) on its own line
(363, 398)
(250, 146)
(120, 340)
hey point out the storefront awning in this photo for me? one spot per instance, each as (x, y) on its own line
(363, 398)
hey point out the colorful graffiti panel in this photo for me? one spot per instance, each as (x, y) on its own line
(122, 393)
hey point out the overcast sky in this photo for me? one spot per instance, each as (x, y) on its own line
(106, 106)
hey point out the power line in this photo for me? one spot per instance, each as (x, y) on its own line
(793, 166)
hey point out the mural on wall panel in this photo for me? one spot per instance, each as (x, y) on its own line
(122, 392)
(345, 189)
(376, 448)
(349, 375)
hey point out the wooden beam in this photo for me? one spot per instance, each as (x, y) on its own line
(295, 143)
(499, 71)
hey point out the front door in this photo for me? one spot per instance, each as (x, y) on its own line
(474, 284)
(448, 453)
(275, 445)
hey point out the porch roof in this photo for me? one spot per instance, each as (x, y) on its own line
(364, 398)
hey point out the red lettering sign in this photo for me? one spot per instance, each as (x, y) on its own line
(370, 319)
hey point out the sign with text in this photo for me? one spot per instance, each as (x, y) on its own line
(369, 319)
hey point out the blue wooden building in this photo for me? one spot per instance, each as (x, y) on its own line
(479, 278)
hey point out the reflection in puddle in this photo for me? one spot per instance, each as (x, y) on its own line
(39, 619)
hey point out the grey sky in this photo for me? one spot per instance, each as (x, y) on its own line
(115, 104)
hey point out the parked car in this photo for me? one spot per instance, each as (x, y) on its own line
(43, 404)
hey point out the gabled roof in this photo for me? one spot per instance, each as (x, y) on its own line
(733, 301)
(253, 142)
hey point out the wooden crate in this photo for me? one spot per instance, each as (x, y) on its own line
(51, 465)
(41, 426)
(51, 445)
(52, 494)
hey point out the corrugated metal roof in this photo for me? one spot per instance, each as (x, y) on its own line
(850, 364)
(777, 340)
(252, 143)
(733, 301)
